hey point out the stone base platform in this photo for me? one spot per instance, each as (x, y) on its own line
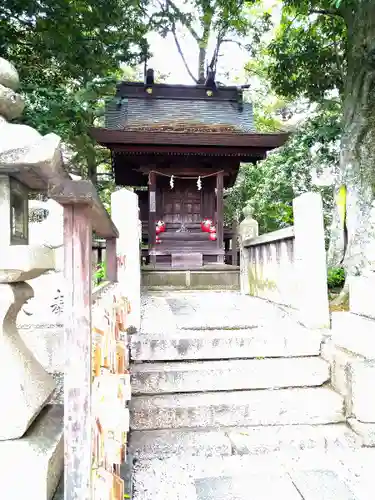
(210, 277)
(32, 465)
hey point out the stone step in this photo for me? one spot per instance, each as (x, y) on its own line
(241, 441)
(225, 344)
(237, 408)
(200, 376)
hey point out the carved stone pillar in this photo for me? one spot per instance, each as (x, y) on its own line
(247, 229)
(24, 384)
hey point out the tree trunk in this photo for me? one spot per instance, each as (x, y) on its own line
(357, 161)
(201, 63)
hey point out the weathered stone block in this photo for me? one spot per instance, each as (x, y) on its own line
(365, 431)
(361, 295)
(363, 398)
(38, 457)
(8, 75)
(354, 333)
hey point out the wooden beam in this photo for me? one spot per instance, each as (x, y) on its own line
(84, 193)
(152, 217)
(111, 259)
(216, 139)
(77, 343)
(184, 171)
(220, 210)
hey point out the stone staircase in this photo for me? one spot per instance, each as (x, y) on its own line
(251, 388)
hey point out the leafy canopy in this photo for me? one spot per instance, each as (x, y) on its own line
(60, 41)
(308, 52)
(68, 56)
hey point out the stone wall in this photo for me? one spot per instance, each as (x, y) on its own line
(288, 266)
(350, 349)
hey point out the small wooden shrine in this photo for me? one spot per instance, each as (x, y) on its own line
(180, 146)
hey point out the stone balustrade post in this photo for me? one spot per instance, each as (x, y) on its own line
(125, 215)
(248, 229)
(310, 261)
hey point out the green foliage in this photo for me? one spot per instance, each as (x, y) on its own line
(68, 56)
(308, 52)
(58, 41)
(335, 277)
(270, 185)
(100, 274)
(70, 113)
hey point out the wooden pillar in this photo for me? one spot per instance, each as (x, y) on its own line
(100, 253)
(111, 259)
(77, 343)
(220, 213)
(234, 244)
(152, 217)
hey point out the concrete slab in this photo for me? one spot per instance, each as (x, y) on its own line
(156, 378)
(321, 485)
(242, 408)
(256, 487)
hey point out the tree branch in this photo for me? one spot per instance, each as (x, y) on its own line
(183, 20)
(326, 12)
(179, 49)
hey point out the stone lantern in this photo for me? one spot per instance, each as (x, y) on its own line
(248, 229)
(28, 161)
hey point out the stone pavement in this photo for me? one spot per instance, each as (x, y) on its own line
(232, 401)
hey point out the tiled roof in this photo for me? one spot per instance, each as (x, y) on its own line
(179, 115)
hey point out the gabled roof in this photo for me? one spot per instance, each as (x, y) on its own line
(159, 120)
(179, 108)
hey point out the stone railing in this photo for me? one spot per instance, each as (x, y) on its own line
(288, 266)
(271, 269)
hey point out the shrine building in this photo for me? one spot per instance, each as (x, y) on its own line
(180, 147)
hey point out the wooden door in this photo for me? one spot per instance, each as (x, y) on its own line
(182, 204)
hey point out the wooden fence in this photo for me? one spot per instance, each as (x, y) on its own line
(95, 341)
